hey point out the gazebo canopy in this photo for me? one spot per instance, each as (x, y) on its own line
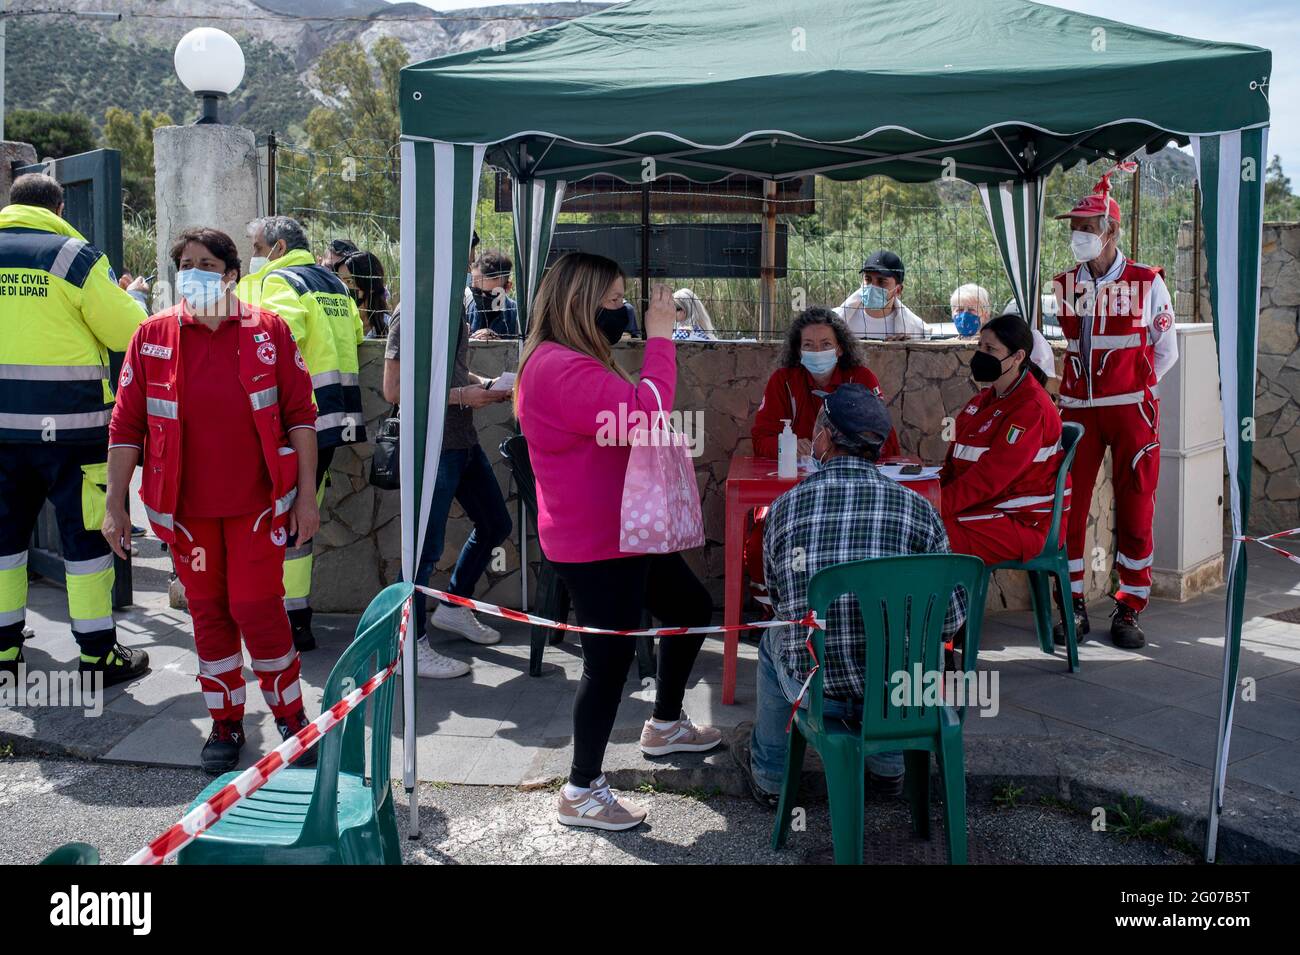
(834, 87)
(995, 92)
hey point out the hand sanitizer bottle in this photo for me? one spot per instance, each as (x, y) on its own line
(787, 451)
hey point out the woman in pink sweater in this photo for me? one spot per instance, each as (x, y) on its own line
(570, 398)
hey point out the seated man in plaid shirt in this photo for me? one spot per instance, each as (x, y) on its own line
(846, 511)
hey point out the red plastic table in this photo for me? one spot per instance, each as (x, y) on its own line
(751, 483)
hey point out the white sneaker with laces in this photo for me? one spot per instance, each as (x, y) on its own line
(432, 665)
(461, 620)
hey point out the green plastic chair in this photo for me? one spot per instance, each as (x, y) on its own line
(329, 814)
(1053, 560)
(903, 601)
(74, 853)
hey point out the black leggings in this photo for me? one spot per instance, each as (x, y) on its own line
(611, 594)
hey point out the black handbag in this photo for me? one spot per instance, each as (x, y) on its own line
(385, 472)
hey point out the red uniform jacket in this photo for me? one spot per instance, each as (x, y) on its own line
(789, 395)
(151, 390)
(1005, 457)
(1121, 366)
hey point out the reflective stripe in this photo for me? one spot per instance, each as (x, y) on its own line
(70, 422)
(10, 617)
(1143, 592)
(1076, 566)
(278, 663)
(10, 561)
(296, 603)
(93, 566)
(337, 420)
(264, 398)
(92, 625)
(1126, 561)
(53, 372)
(1076, 586)
(1027, 501)
(1131, 398)
(184, 530)
(980, 517)
(160, 407)
(213, 667)
(1134, 463)
(218, 701)
(283, 504)
(283, 451)
(292, 692)
(348, 378)
(162, 520)
(297, 553)
(964, 452)
(1046, 451)
(1111, 342)
(67, 255)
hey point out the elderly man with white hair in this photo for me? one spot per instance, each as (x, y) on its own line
(971, 310)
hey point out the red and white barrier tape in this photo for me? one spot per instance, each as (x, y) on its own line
(1262, 541)
(809, 620)
(209, 812)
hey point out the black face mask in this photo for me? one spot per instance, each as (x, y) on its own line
(985, 368)
(612, 323)
(485, 300)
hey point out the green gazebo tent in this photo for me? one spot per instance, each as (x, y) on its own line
(994, 92)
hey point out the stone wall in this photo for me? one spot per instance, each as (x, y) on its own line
(1275, 481)
(359, 544)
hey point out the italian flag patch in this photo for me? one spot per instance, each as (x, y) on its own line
(1013, 434)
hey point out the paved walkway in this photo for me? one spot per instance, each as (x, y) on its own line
(1127, 723)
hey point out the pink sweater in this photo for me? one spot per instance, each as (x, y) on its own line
(566, 399)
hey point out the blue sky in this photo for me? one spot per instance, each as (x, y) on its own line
(1273, 24)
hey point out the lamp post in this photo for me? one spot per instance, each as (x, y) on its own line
(210, 65)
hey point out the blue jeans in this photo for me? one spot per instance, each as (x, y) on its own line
(464, 475)
(769, 743)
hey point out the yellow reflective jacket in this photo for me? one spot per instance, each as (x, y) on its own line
(61, 313)
(325, 322)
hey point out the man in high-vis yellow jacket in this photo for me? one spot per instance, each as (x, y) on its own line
(285, 278)
(61, 313)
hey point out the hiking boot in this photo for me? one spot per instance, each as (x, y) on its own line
(221, 752)
(598, 808)
(291, 724)
(461, 620)
(1081, 625)
(741, 752)
(118, 665)
(1124, 630)
(679, 736)
(300, 624)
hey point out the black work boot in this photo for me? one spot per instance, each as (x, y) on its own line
(10, 664)
(221, 752)
(291, 724)
(300, 622)
(118, 665)
(1081, 624)
(1124, 630)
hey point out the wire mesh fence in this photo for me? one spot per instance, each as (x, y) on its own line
(938, 229)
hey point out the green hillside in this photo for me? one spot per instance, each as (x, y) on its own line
(100, 71)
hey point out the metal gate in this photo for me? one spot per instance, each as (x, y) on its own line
(92, 197)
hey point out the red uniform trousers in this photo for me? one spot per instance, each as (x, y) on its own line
(995, 539)
(1131, 432)
(234, 583)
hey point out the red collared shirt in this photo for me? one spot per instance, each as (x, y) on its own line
(223, 471)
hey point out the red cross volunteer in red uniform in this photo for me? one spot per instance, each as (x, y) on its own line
(216, 400)
(1118, 322)
(999, 478)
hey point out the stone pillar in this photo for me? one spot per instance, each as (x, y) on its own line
(13, 154)
(203, 176)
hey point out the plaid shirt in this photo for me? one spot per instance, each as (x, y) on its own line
(846, 511)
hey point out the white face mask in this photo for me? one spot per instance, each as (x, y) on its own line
(257, 263)
(1086, 246)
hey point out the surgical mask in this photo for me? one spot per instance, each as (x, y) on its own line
(819, 363)
(967, 322)
(985, 368)
(200, 288)
(257, 263)
(1086, 246)
(874, 297)
(612, 323)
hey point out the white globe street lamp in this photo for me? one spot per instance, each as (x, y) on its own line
(210, 64)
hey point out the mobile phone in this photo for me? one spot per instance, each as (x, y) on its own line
(910, 469)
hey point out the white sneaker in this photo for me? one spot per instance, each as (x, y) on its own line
(432, 665)
(462, 620)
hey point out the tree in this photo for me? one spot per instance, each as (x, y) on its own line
(132, 136)
(1280, 204)
(54, 135)
(354, 140)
